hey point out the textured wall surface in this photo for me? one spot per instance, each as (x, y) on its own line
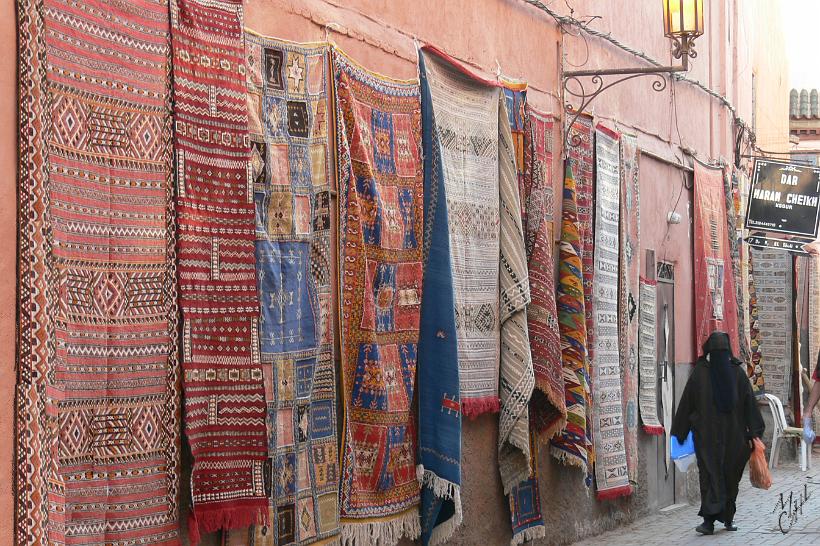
(525, 44)
(8, 248)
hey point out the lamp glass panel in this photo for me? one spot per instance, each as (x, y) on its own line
(683, 17)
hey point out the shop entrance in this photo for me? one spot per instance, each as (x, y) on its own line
(666, 379)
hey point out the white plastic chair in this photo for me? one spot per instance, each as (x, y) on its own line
(783, 430)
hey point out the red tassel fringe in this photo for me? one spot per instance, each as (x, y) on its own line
(209, 520)
(611, 494)
(653, 431)
(474, 407)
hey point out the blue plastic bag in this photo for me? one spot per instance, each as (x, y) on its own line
(683, 454)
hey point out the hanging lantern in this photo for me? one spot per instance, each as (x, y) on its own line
(683, 20)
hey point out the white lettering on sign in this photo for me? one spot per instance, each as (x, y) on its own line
(788, 179)
(766, 195)
(800, 199)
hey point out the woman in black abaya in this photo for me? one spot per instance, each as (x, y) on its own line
(718, 406)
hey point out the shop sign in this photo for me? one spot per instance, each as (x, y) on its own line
(784, 198)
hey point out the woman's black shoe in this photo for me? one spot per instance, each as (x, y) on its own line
(729, 527)
(706, 528)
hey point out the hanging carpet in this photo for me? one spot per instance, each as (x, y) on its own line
(755, 368)
(223, 379)
(572, 446)
(611, 476)
(381, 237)
(548, 409)
(472, 152)
(735, 235)
(547, 406)
(290, 170)
(581, 155)
(439, 449)
(715, 294)
(465, 111)
(648, 357)
(774, 285)
(628, 288)
(581, 148)
(97, 410)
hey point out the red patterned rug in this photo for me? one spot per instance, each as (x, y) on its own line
(98, 399)
(224, 390)
(548, 410)
(715, 295)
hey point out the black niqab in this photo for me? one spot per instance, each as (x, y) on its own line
(724, 386)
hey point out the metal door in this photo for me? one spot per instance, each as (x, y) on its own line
(666, 380)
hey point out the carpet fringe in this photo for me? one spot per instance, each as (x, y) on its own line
(479, 406)
(545, 435)
(567, 459)
(653, 430)
(443, 489)
(209, 521)
(386, 532)
(529, 534)
(611, 494)
(444, 531)
(439, 486)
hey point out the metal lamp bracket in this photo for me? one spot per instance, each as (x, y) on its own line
(598, 81)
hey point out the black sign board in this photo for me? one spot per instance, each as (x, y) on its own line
(784, 198)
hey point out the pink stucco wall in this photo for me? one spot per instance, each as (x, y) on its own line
(525, 44)
(8, 211)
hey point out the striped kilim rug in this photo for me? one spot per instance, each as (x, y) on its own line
(743, 184)
(223, 379)
(648, 358)
(611, 476)
(572, 446)
(381, 237)
(774, 285)
(466, 114)
(294, 279)
(628, 289)
(97, 392)
(548, 409)
(581, 148)
(517, 379)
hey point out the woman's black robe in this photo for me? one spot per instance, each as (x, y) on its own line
(722, 440)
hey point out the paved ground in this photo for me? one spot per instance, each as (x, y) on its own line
(758, 516)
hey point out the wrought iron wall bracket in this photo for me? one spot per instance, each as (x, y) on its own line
(598, 81)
